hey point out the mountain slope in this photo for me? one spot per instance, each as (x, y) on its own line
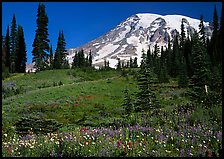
(136, 33)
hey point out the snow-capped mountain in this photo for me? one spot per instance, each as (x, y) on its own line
(136, 33)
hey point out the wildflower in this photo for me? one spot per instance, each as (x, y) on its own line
(130, 144)
(192, 147)
(5, 135)
(119, 143)
(167, 151)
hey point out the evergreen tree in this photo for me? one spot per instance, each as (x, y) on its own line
(127, 104)
(175, 58)
(5, 70)
(145, 96)
(163, 75)
(7, 49)
(51, 58)
(202, 30)
(215, 23)
(60, 53)
(75, 61)
(119, 64)
(200, 76)
(81, 58)
(182, 80)
(135, 64)
(40, 44)
(63, 51)
(155, 60)
(149, 57)
(90, 59)
(20, 52)
(131, 62)
(169, 57)
(13, 44)
(182, 39)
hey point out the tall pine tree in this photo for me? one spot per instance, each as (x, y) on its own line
(13, 44)
(20, 52)
(145, 97)
(200, 76)
(51, 58)
(202, 30)
(7, 49)
(60, 53)
(41, 41)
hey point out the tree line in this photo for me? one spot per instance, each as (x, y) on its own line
(196, 62)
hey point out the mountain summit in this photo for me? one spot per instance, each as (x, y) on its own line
(136, 33)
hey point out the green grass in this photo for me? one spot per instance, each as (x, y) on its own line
(94, 99)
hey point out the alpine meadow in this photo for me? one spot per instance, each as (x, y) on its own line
(150, 87)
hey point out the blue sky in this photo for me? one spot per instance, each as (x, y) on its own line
(85, 21)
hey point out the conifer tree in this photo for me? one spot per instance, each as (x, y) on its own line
(131, 62)
(182, 39)
(145, 97)
(163, 75)
(81, 58)
(127, 104)
(182, 80)
(202, 30)
(7, 49)
(169, 57)
(40, 44)
(149, 57)
(60, 53)
(51, 58)
(215, 23)
(75, 60)
(175, 58)
(20, 52)
(135, 64)
(13, 44)
(90, 59)
(155, 60)
(119, 64)
(200, 76)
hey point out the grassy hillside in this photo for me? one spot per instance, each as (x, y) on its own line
(65, 100)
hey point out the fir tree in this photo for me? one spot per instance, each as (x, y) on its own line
(7, 49)
(75, 61)
(175, 58)
(60, 53)
(81, 58)
(51, 58)
(90, 59)
(13, 44)
(155, 60)
(182, 39)
(131, 62)
(127, 104)
(163, 75)
(119, 64)
(169, 57)
(145, 97)
(40, 44)
(215, 23)
(149, 57)
(20, 52)
(182, 80)
(200, 76)
(135, 64)
(202, 30)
